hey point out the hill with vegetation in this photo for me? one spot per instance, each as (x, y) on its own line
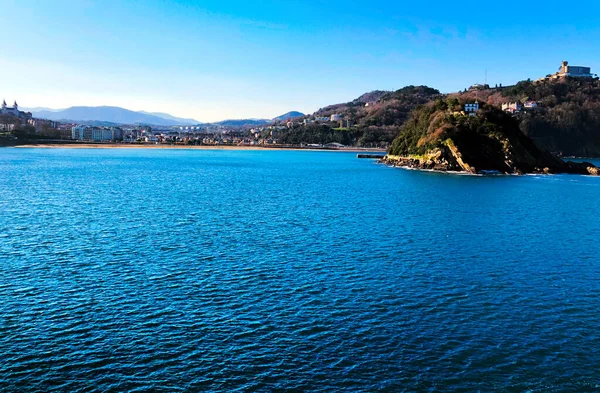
(375, 119)
(289, 115)
(566, 120)
(441, 136)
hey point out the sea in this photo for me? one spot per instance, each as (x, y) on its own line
(157, 270)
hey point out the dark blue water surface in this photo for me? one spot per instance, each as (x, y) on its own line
(179, 270)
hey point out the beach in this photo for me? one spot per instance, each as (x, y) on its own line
(188, 147)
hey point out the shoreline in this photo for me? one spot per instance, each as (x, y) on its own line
(412, 164)
(184, 147)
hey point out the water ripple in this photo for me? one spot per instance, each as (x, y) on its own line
(291, 271)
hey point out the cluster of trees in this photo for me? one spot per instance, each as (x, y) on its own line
(478, 137)
(567, 119)
(8, 123)
(11, 126)
(317, 134)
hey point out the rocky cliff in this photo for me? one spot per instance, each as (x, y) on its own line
(441, 136)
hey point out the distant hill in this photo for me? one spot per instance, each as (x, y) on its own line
(116, 115)
(110, 114)
(373, 125)
(242, 122)
(258, 122)
(166, 116)
(289, 115)
(39, 109)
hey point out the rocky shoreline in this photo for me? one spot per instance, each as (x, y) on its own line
(441, 162)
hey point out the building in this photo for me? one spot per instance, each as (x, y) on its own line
(336, 117)
(478, 86)
(14, 111)
(322, 119)
(568, 71)
(530, 105)
(345, 123)
(472, 109)
(512, 107)
(43, 126)
(96, 134)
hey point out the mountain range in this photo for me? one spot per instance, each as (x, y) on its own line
(117, 115)
(110, 114)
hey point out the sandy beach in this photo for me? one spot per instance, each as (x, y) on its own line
(203, 147)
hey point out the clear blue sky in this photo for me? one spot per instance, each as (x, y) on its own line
(212, 60)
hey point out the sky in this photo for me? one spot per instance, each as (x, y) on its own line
(216, 60)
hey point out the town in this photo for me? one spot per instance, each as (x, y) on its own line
(13, 119)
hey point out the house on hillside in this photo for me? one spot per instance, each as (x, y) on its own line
(512, 107)
(472, 109)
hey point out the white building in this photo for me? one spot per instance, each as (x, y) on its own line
(336, 117)
(322, 119)
(472, 109)
(96, 134)
(512, 107)
(530, 105)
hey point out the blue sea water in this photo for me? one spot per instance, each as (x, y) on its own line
(239, 271)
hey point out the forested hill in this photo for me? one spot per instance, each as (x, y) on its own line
(567, 119)
(375, 118)
(441, 136)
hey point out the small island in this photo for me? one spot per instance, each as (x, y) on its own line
(472, 137)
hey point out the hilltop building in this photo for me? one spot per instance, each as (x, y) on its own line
(478, 86)
(568, 71)
(14, 111)
(573, 71)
